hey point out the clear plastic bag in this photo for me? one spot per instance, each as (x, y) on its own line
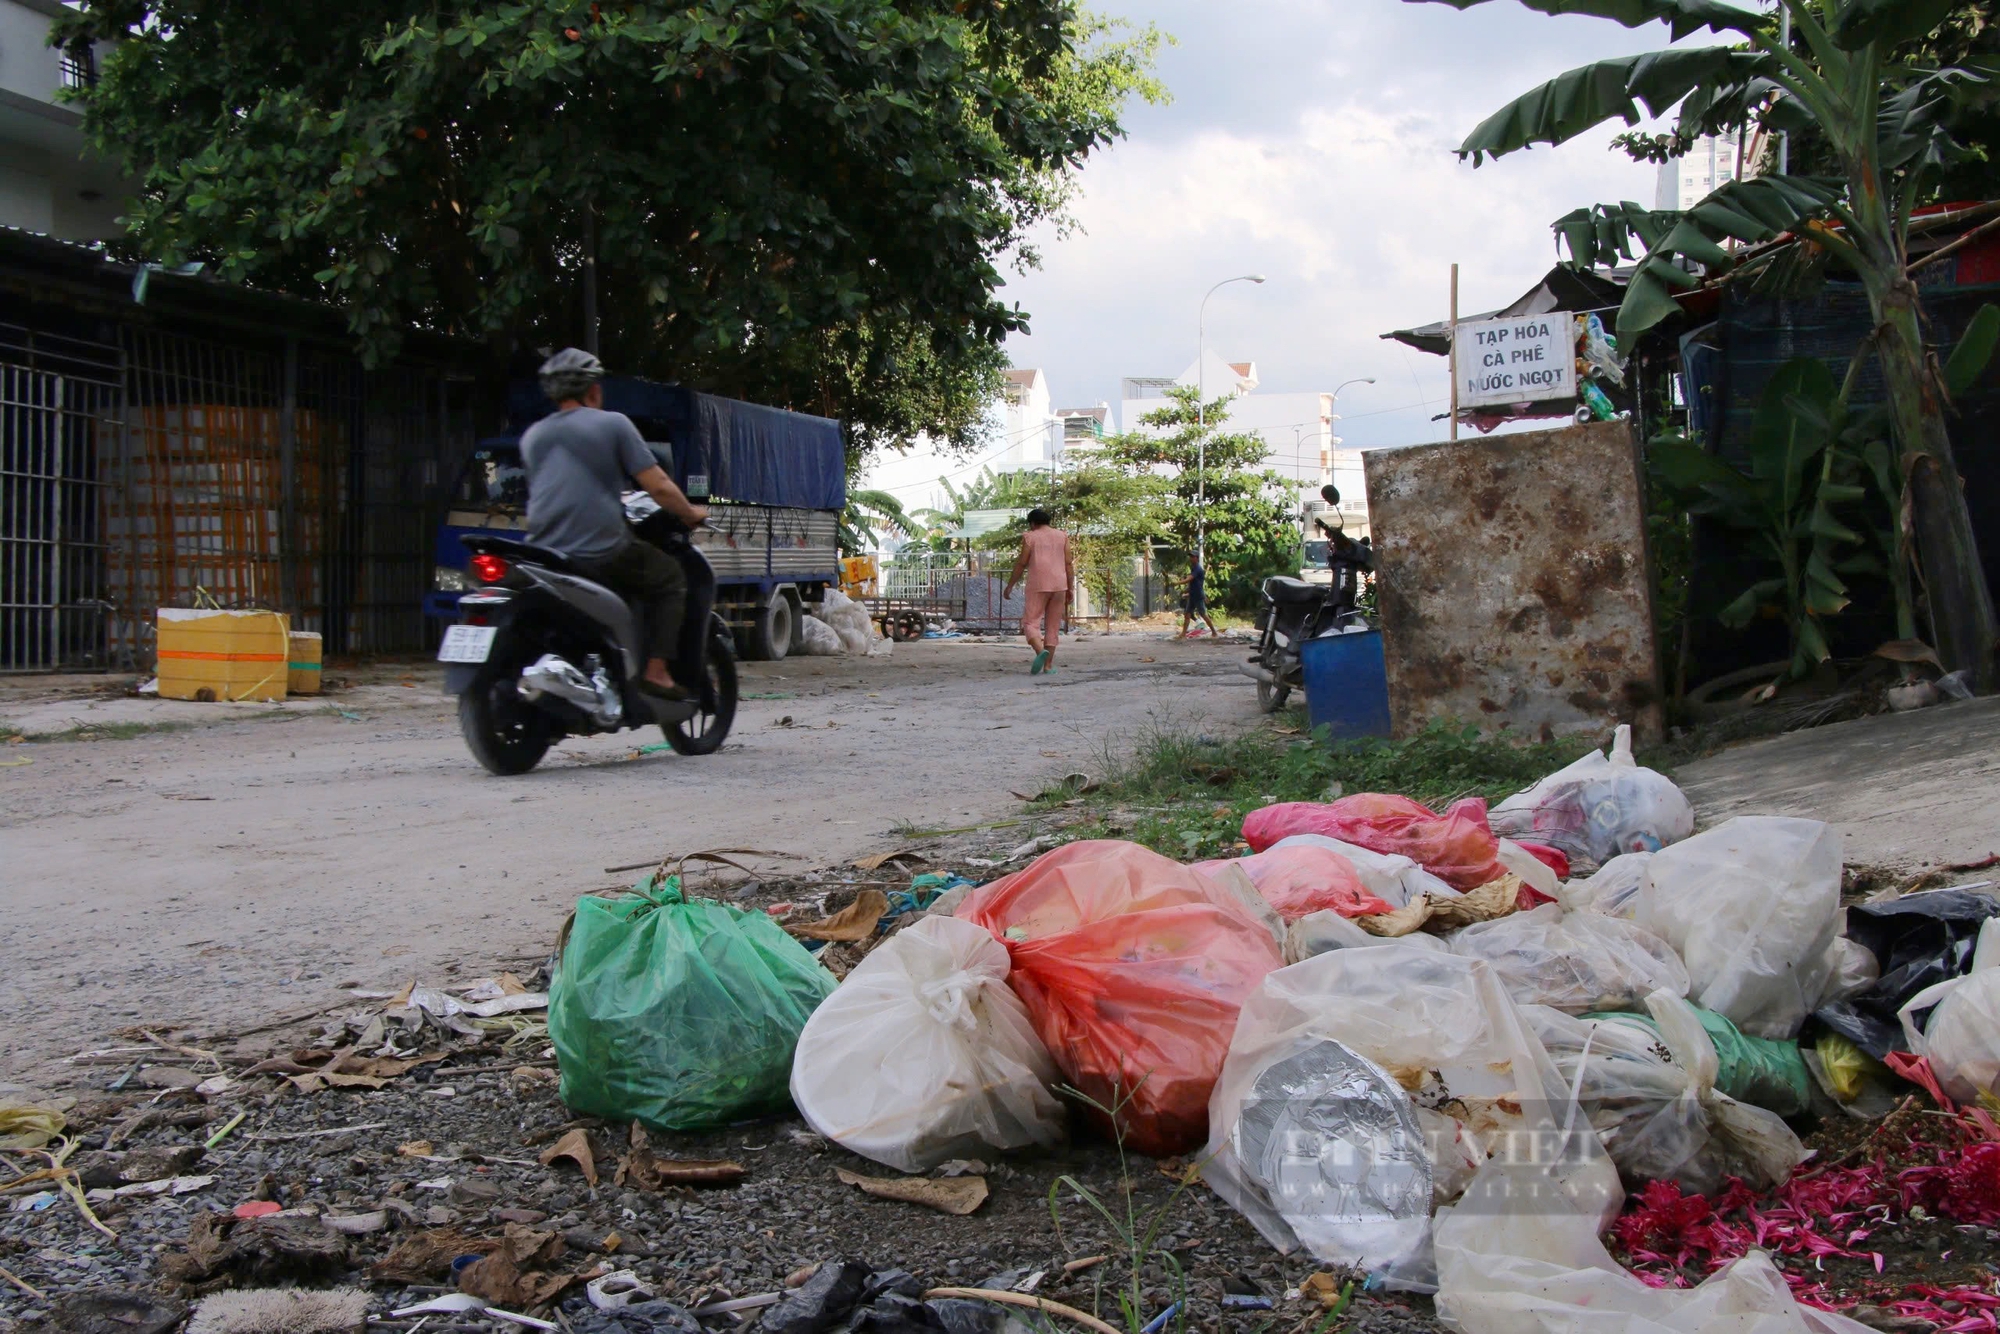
(1574, 961)
(1133, 968)
(1599, 807)
(1304, 878)
(1309, 1140)
(1456, 846)
(1649, 1090)
(1515, 1257)
(1613, 891)
(1960, 1035)
(924, 1054)
(1752, 906)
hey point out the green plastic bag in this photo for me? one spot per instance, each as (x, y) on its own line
(1764, 1072)
(681, 1015)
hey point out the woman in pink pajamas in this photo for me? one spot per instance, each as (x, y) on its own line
(1050, 570)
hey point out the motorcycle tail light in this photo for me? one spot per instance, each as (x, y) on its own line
(488, 568)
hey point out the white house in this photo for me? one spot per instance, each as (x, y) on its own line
(1030, 432)
(49, 182)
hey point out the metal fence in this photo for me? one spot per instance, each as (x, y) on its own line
(57, 395)
(147, 471)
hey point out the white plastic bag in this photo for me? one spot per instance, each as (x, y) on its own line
(1752, 906)
(1512, 1259)
(1652, 1099)
(819, 639)
(1851, 969)
(1574, 961)
(1961, 1036)
(924, 1054)
(1535, 873)
(1394, 879)
(1361, 1085)
(1598, 807)
(1613, 891)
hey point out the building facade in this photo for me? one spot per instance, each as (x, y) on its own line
(1714, 161)
(49, 182)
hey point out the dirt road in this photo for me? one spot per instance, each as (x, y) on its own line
(240, 869)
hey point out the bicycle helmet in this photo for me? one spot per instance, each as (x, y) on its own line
(570, 373)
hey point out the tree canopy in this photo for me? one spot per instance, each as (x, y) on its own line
(1213, 485)
(802, 201)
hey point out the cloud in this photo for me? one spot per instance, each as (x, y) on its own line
(1312, 142)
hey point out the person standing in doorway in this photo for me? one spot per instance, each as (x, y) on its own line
(1050, 568)
(1195, 607)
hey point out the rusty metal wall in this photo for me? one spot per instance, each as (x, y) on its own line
(1512, 580)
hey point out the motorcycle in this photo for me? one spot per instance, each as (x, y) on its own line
(1293, 611)
(540, 652)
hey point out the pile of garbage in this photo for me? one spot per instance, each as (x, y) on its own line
(1439, 1048)
(838, 625)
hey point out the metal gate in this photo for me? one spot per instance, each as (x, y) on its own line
(61, 401)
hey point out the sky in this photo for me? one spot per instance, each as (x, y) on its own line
(1310, 141)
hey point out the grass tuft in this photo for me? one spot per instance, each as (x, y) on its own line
(1184, 793)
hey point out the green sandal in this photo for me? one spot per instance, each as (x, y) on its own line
(1041, 661)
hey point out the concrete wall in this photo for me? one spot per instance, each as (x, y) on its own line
(48, 182)
(1513, 582)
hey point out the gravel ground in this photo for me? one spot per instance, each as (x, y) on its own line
(487, 1130)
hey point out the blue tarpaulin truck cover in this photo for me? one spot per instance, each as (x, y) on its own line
(723, 448)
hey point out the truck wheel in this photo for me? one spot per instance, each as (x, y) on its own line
(771, 637)
(798, 621)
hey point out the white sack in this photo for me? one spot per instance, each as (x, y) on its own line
(820, 640)
(1961, 1036)
(924, 1054)
(1753, 907)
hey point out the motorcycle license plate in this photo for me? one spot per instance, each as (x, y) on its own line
(467, 643)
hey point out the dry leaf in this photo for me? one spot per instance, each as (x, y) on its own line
(515, 1274)
(648, 1171)
(416, 1148)
(957, 1195)
(574, 1146)
(1323, 1288)
(425, 1257)
(854, 922)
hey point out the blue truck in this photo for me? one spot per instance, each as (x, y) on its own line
(775, 483)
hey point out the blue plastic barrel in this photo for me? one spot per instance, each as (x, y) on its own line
(1347, 684)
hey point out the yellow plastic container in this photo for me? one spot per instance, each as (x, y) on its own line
(302, 678)
(223, 655)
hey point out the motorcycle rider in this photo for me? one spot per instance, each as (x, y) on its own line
(579, 459)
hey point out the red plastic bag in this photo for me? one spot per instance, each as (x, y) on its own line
(1304, 879)
(1133, 968)
(1457, 847)
(1554, 858)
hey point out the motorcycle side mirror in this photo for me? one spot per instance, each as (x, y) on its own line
(1330, 494)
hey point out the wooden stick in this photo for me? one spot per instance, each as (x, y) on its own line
(1955, 246)
(1453, 338)
(1042, 1304)
(23, 1284)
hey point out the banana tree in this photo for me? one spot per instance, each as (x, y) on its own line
(867, 516)
(1886, 118)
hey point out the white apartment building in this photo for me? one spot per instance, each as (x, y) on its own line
(49, 183)
(1714, 160)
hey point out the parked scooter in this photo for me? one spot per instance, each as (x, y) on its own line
(541, 653)
(1294, 611)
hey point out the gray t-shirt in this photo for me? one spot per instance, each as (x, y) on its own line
(578, 464)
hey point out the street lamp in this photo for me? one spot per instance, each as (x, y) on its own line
(1201, 417)
(1359, 379)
